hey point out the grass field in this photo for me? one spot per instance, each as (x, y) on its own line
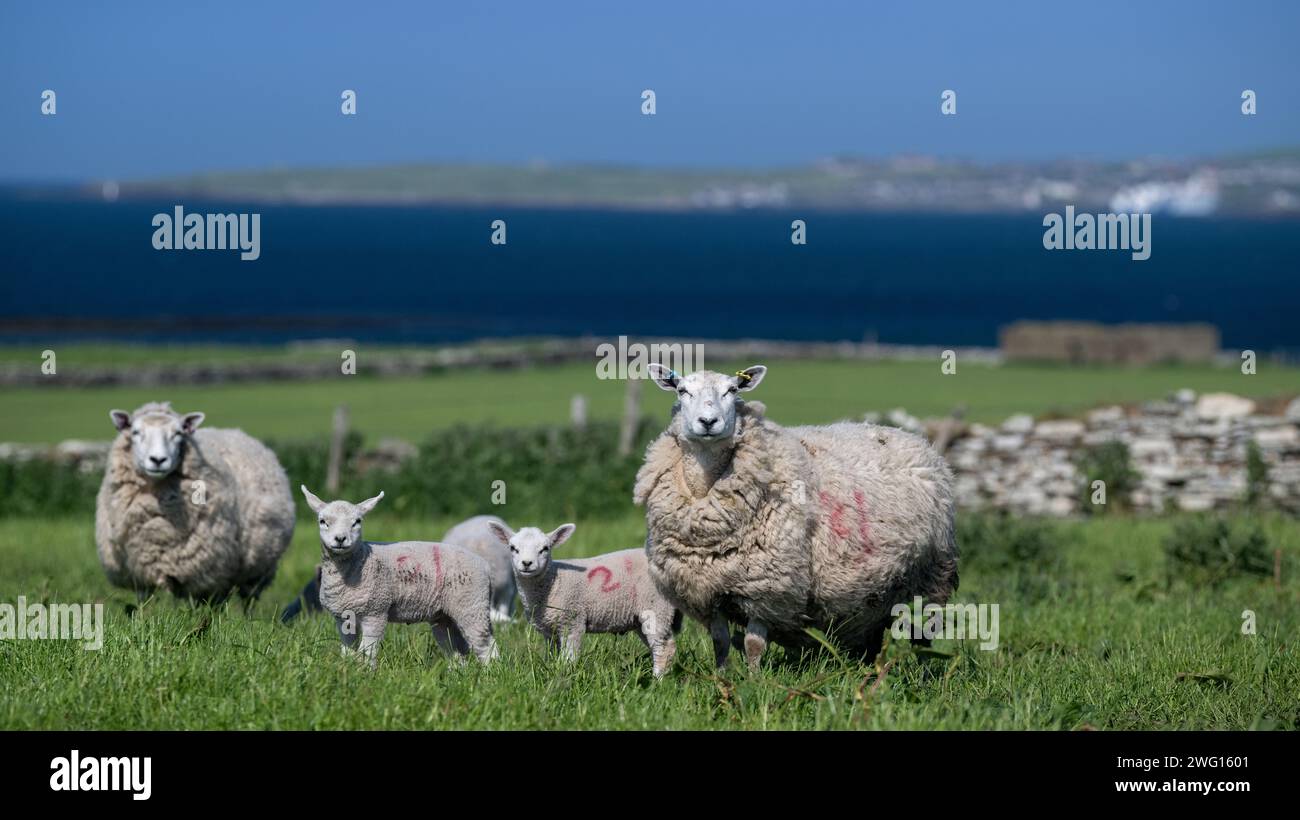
(795, 393)
(1098, 641)
(1092, 635)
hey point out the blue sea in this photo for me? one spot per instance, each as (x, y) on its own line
(88, 270)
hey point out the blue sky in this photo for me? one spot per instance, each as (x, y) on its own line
(149, 89)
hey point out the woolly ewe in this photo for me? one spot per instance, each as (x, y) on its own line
(609, 593)
(196, 512)
(785, 529)
(366, 584)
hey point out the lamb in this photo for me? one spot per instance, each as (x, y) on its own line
(786, 529)
(609, 593)
(472, 534)
(367, 584)
(476, 535)
(200, 513)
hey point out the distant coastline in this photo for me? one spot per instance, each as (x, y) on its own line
(1254, 186)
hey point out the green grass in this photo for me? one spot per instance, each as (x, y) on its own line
(795, 393)
(1104, 642)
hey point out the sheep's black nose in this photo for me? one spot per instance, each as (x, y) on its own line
(339, 539)
(157, 460)
(526, 564)
(708, 423)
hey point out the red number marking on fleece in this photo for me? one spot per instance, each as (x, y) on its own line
(837, 515)
(437, 566)
(605, 586)
(864, 523)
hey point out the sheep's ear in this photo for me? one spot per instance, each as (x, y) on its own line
(501, 531)
(191, 422)
(561, 534)
(749, 378)
(369, 504)
(665, 377)
(121, 420)
(312, 501)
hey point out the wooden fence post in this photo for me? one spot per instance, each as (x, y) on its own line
(338, 437)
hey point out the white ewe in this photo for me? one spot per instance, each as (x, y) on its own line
(785, 529)
(196, 512)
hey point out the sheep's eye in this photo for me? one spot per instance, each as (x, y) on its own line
(546, 549)
(731, 390)
(356, 523)
(515, 551)
(681, 391)
(322, 522)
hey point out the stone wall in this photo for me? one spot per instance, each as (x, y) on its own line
(1189, 451)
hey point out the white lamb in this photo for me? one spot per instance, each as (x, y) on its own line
(785, 529)
(609, 593)
(476, 535)
(367, 584)
(200, 513)
(473, 534)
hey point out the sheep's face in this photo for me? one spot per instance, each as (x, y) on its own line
(706, 401)
(530, 548)
(340, 523)
(157, 435)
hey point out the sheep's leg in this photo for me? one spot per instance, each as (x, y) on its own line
(659, 637)
(474, 633)
(662, 652)
(348, 636)
(372, 632)
(449, 640)
(573, 642)
(501, 606)
(307, 601)
(755, 643)
(721, 632)
(253, 590)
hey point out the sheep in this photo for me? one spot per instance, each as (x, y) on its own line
(367, 584)
(472, 534)
(476, 535)
(199, 513)
(609, 593)
(786, 529)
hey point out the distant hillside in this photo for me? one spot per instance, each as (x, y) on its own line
(1265, 184)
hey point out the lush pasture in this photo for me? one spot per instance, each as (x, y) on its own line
(1094, 632)
(1091, 636)
(795, 392)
